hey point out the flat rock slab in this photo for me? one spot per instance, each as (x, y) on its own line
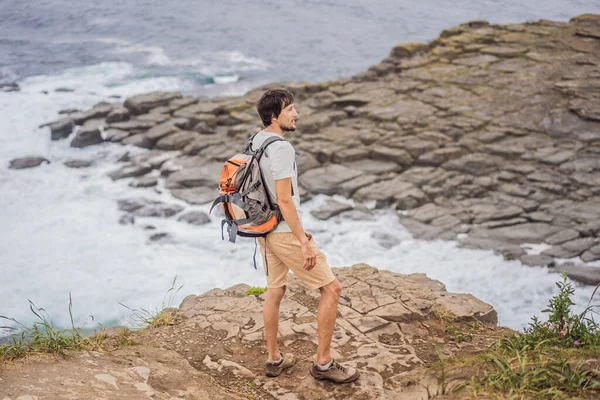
(327, 179)
(580, 273)
(535, 232)
(27, 162)
(330, 209)
(195, 218)
(78, 163)
(197, 195)
(131, 170)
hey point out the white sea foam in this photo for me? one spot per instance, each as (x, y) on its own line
(61, 236)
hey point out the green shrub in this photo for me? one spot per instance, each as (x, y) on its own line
(256, 291)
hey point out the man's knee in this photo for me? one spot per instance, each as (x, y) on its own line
(333, 288)
(276, 294)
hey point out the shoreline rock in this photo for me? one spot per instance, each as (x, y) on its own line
(479, 133)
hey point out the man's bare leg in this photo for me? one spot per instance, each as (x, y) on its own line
(330, 295)
(271, 320)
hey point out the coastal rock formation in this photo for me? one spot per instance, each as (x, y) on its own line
(388, 326)
(490, 132)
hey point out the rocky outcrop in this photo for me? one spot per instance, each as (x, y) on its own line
(489, 131)
(388, 326)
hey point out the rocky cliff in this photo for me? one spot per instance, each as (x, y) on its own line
(388, 327)
(489, 135)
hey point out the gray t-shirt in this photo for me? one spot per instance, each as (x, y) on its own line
(278, 162)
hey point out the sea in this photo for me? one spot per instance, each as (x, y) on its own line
(62, 249)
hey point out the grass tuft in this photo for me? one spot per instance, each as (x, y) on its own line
(44, 337)
(546, 361)
(256, 291)
(165, 316)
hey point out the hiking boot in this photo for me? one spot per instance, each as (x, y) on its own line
(336, 373)
(274, 370)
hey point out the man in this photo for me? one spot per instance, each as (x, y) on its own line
(290, 247)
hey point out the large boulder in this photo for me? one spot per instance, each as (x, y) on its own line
(61, 129)
(87, 136)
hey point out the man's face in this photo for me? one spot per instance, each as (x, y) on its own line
(287, 118)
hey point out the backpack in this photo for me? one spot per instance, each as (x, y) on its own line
(248, 209)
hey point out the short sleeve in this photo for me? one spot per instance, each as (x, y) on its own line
(283, 158)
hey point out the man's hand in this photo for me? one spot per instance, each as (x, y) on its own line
(310, 257)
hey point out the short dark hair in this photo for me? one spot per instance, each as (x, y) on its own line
(271, 103)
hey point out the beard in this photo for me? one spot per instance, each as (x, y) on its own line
(288, 128)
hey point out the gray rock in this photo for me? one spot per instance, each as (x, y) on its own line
(589, 229)
(139, 140)
(160, 210)
(195, 218)
(580, 273)
(69, 111)
(440, 156)
(127, 219)
(374, 166)
(115, 135)
(100, 111)
(386, 240)
(132, 126)
(503, 222)
(390, 154)
(197, 195)
(87, 136)
(64, 90)
(143, 103)
(348, 188)
(427, 213)
(154, 117)
(593, 254)
(327, 179)
(132, 204)
(27, 162)
(534, 232)
(562, 236)
(206, 175)
(78, 163)
(131, 170)
(350, 155)
(477, 164)
(118, 115)
(156, 158)
(160, 237)
(507, 250)
(330, 209)
(487, 212)
(144, 182)
(420, 230)
(177, 140)
(537, 260)
(9, 87)
(162, 130)
(571, 249)
(61, 129)
(357, 215)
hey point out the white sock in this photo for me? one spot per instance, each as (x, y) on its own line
(326, 366)
(278, 361)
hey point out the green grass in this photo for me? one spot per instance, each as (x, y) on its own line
(546, 361)
(44, 337)
(165, 316)
(256, 291)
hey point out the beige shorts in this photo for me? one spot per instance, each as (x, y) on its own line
(284, 254)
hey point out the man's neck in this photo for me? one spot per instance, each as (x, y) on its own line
(275, 129)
